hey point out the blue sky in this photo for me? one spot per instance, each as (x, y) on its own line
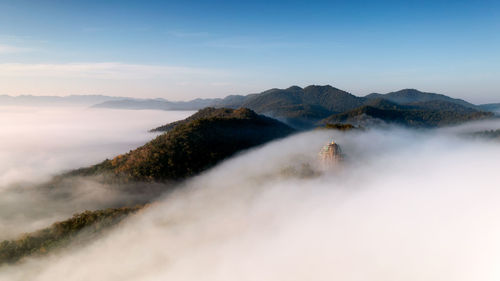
(186, 49)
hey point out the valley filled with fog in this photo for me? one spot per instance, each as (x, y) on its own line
(403, 205)
(37, 143)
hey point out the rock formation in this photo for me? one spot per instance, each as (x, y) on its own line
(330, 155)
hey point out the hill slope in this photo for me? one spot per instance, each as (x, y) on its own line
(418, 114)
(192, 146)
(327, 97)
(297, 106)
(61, 234)
(493, 107)
(206, 113)
(408, 96)
(303, 108)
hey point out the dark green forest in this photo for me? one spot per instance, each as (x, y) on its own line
(191, 146)
(411, 117)
(80, 228)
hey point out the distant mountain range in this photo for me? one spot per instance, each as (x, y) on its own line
(307, 107)
(408, 96)
(81, 100)
(415, 114)
(313, 105)
(159, 104)
(493, 107)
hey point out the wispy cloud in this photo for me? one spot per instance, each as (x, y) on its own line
(8, 49)
(122, 29)
(102, 70)
(234, 42)
(245, 42)
(184, 34)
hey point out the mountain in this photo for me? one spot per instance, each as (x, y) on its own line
(191, 146)
(232, 101)
(158, 104)
(328, 98)
(443, 105)
(206, 113)
(300, 107)
(493, 107)
(80, 228)
(100, 101)
(425, 114)
(408, 96)
(304, 108)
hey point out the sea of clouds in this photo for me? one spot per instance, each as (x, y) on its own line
(37, 143)
(404, 205)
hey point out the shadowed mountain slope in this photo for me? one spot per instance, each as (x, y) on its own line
(303, 108)
(80, 228)
(326, 97)
(192, 146)
(417, 114)
(206, 113)
(296, 106)
(408, 96)
(493, 107)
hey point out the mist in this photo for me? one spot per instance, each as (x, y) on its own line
(404, 205)
(37, 143)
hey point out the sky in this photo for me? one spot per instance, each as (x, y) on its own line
(180, 50)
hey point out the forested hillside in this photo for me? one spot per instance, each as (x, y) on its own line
(191, 146)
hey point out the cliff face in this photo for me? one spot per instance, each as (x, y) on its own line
(330, 155)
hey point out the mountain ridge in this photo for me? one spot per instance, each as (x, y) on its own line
(405, 96)
(420, 114)
(191, 146)
(305, 108)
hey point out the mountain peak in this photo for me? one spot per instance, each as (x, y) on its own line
(320, 87)
(294, 88)
(409, 91)
(192, 145)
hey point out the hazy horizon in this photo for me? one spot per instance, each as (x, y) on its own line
(494, 100)
(180, 51)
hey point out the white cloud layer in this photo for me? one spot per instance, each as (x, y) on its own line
(39, 142)
(406, 205)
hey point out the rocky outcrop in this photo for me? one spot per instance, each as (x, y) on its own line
(330, 155)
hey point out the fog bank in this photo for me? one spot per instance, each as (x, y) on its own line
(39, 142)
(405, 205)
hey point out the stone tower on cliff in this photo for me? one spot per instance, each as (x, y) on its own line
(331, 154)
